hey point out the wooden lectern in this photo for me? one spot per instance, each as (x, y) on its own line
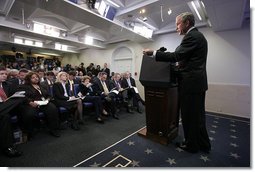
(161, 101)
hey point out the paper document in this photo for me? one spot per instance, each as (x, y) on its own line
(17, 94)
(42, 102)
(136, 90)
(72, 99)
(114, 91)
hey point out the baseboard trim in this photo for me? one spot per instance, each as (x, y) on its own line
(226, 115)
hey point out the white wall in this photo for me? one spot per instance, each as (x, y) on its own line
(228, 66)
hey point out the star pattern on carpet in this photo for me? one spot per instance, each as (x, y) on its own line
(135, 163)
(171, 161)
(233, 137)
(131, 143)
(212, 138)
(148, 151)
(212, 131)
(204, 158)
(139, 152)
(235, 155)
(179, 149)
(95, 165)
(114, 153)
(234, 145)
(216, 122)
(232, 130)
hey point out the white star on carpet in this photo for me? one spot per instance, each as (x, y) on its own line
(131, 143)
(135, 163)
(95, 164)
(232, 125)
(204, 158)
(234, 145)
(212, 131)
(234, 137)
(232, 130)
(232, 121)
(214, 126)
(211, 138)
(235, 155)
(179, 149)
(171, 161)
(148, 151)
(216, 122)
(115, 153)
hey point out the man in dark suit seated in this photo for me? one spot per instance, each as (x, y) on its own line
(7, 106)
(101, 88)
(115, 83)
(48, 82)
(129, 82)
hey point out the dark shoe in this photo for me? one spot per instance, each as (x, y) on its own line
(12, 152)
(115, 116)
(63, 125)
(55, 133)
(129, 110)
(75, 125)
(81, 122)
(185, 147)
(100, 120)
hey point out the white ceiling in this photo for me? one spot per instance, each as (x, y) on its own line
(16, 17)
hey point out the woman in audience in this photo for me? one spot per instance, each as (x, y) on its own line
(86, 90)
(36, 95)
(61, 94)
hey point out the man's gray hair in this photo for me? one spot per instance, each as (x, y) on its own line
(187, 16)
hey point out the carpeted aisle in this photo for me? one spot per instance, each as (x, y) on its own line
(230, 139)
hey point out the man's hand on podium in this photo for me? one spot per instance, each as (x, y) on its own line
(148, 52)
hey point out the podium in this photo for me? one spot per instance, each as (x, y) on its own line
(161, 101)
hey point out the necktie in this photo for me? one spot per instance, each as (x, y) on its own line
(105, 88)
(2, 94)
(118, 85)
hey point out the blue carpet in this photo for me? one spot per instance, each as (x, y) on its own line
(230, 139)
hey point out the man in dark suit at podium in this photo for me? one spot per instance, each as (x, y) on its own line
(190, 57)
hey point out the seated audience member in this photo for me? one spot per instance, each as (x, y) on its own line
(115, 84)
(13, 73)
(102, 89)
(20, 78)
(7, 107)
(129, 82)
(72, 79)
(48, 82)
(41, 73)
(86, 90)
(62, 98)
(34, 95)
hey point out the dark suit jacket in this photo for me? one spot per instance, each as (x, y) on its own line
(58, 91)
(192, 52)
(98, 87)
(32, 94)
(124, 83)
(9, 105)
(106, 70)
(9, 88)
